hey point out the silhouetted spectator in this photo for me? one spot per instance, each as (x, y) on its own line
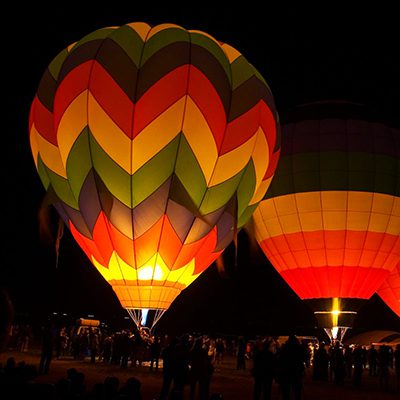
(372, 361)
(168, 357)
(131, 389)
(396, 355)
(321, 364)
(358, 361)
(383, 366)
(263, 370)
(241, 354)
(201, 371)
(155, 351)
(181, 366)
(111, 387)
(348, 360)
(291, 360)
(338, 364)
(47, 348)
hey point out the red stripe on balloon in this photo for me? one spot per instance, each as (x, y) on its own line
(328, 282)
(42, 118)
(241, 129)
(114, 101)
(203, 93)
(74, 83)
(159, 97)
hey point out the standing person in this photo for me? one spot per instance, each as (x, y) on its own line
(168, 357)
(383, 365)
(292, 359)
(47, 348)
(155, 351)
(94, 343)
(396, 355)
(181, 367)
(372, 361)
(219, 351)
(321, 363)
(358, 361)
(201, 371)
(241, 354)
(263, 370)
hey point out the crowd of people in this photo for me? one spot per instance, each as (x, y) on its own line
(189, 361)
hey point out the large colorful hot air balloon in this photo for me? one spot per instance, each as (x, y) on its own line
(330, 221)
(390, 290)
(156, 145)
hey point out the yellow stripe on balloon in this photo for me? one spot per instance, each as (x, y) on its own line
(233, 162)
(230, 52)
(72, 123)
(141, 28)
(108, 134)
(200, 138)
(260, 158)
(48, 152)
(154, 270)
(161, 27)
(156, 135)
(312, 211)
(260, 191)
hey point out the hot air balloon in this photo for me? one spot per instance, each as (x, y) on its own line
(155, 145)
(389, 292)
(330, 221)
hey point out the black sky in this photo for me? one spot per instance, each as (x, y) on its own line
(304, 53)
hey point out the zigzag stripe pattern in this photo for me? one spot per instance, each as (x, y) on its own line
(156, 144)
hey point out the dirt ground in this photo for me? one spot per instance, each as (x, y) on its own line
(232, 384)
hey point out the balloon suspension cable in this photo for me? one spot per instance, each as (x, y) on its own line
(139, 316)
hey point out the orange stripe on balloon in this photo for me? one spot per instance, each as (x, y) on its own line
(333, 248)
(170, 244)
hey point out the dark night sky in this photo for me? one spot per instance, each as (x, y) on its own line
(305, 54)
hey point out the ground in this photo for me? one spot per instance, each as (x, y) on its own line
(232, 384)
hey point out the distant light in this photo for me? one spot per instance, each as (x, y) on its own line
(90, 315)
(126, 317)
(54, 313)
(65, 314)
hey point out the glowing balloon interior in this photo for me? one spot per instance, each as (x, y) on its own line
(330, 222)
(156, 145)
(390, 290)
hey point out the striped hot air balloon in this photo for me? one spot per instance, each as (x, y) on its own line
(330, 221)
(156, 144)
(389, 292)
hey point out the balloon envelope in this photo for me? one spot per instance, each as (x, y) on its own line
(390, 290)
(330, 221)
(156, 144)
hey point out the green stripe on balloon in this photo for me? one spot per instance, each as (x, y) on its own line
(163, 39)
(154, 173)
(217, 196)
(335, 171)
(132, 44)
(78, 162)
(189, 172)
(96, 35)
(246, 188)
